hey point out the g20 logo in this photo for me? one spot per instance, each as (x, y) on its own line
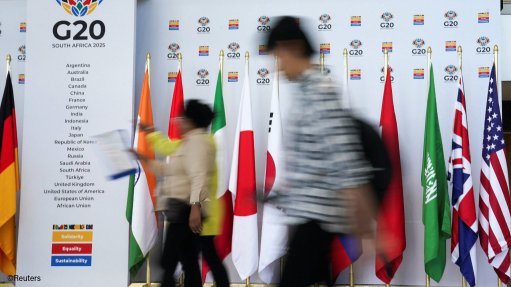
(325, 22)
(419, 47)
(174, 50)
(451, 73)
(23, 53)
(483, 42)
(202, 75)
(234, 51)
(203, 25)
(79, 30)
(356, 45)
(451, 21)
(263, 74)
(387, 22)
(264, 24)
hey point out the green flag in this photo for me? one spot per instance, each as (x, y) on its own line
(436, 215)
(219, 121)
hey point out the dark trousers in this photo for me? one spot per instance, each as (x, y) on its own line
(308, 259)
(214, 262)
(181, 245)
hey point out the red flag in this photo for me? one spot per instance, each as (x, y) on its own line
(177, 108)
(391, 217)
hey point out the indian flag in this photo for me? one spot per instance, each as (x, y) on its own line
(142, 186)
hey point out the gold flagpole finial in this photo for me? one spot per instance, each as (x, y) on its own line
(148, 56)
(247, 56)
(496, 61)
(221, 58)
(8, 60)
(460, 56)
(345, 52)
(385, 63)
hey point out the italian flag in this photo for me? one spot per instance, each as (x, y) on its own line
(142, 186)
(218, 128)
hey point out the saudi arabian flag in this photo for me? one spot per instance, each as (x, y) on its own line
(436, 215)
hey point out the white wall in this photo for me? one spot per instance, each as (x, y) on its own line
(147, 36)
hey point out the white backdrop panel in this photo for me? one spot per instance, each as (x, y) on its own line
(366, 94)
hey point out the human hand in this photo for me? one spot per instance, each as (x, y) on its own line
(146, 128)
(195, 220)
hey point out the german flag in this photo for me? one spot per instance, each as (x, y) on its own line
(9, 180)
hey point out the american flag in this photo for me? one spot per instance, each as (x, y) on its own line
(494, 215)
(464, 220)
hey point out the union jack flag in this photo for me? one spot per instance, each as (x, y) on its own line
(464, 220)
(494, 215)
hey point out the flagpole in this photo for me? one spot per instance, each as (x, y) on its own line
(182, 279)
(247, 58)
(180, 60)
(352, 279)
(8, 67)
(496, 61)
(322, 62)
(247, 62)
(222, 69)
(148, 257)
(463, 281)
(386, 63)
(148, 66)
(460, 58)
(345, 82)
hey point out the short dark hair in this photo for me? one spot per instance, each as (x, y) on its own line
(200, 114)
(288, 29)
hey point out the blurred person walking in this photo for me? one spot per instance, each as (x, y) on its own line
(326, 190)
(187, 196)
